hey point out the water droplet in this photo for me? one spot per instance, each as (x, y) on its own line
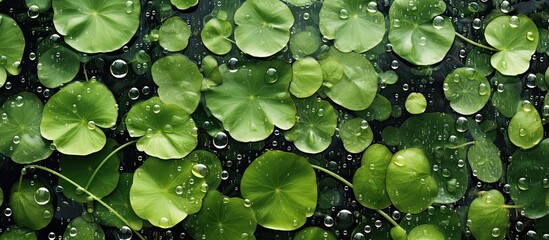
(372, 7)
(119, 68)
(483, 89)
(343, 13)
(42, 196)
(438, 22)
(477, 23)
(220, 140)
(179, 190)
(156, 108)
(530, 36)
(328, 221)
(149, 132)
(164, 221)
(125, 233)
(200, 170)
(523, 184)
(247, 203)
(224, 175)
(73, 232)
(462, 124)
(514, 21)
(91, 125)
(133, 93)
(527, 106)
(306, 16)
(16, 139)
(232, 65)
(46, 214)
(271, 76)
(399, 161)
(364, 124)
(34, 11)
(473, 7)
(495, 232)
(505, 7)
(7, 212)
(129, 6)
(396, 23)
(204, 187)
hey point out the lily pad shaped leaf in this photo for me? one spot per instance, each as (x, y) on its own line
(305, 42)
(80, 229)
(20, 137)
(528, 176)
(215, 36)
(307, 77)
(484, 156)
(357, 88)
(178, 80)
(316, 124)
(174, 34)
(253, 99)
(96, 26)
(165, 130)
(184, 4)
(222, 218)
(415, 103)
(74, 116)
(165, 192)
(15, 233)
(282, 189)
(418, 32)
(525, 128)
(12, 45)
(314, 233)
(369, 180)
(263, 27)
(356, 134)
(487, 218)
(467, 90)
(507, 97)
(410, 185)
(31, 204)
(356, 25)
(516, 38)
(57, 66)
(90, 172)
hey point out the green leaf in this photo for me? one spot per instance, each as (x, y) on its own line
(369, 184)
(300, 3)
(516, 38)
(57, 66)
(178, 80)
(119, 200)
(212, 75)
(379, 110)
(41, 5)
(305, 42)
(31, 204)
(525, 128)
(418, 32)
(263, 27)
(316, 124)
(258, 91)
(164, 130)
(307, 77)
(388, 77)
(356, 134)
(165, 192)
(184, 4)
(357, 89)
(467, 90)
(80, 228)
(528, 176)
(74, 116)
(174, 34)
(479, 59)
(16, 233)
(96, 26)
(222, 218)
(282, 189)
(3, 76)
(483, 157)
(415, 103)
(209, 165)
(426, 232)
(487, 219)
(215, 36)
(506, 99)
(391, 136)
(447, 221)
(80, 169)
(410, 184)
(314, 233)
(20, 137)
(332, 71)
(354, 24)
(12, 46)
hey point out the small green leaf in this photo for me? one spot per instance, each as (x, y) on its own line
(57, 66)
(215, 36)
(525, 128)
(12, 46)
(391, 136)
(483, 157)
(307, 77)
(506, 99)
(184, 4)
(388, 77)
(356, 134)
(305, 43)
(379, 110)
(212, 75)
(80, 229)
(487, 219)
(447, 221)
(174, 34)
(369, 184)
(282, 190)
(426, 232)
(467, 90)
(31, 204)
(314, 233)
(332, 71)
(17, 233)
(415, 103)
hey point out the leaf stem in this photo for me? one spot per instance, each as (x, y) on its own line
(386, 216)
(461, 145)
(230, 40)
(85, 72)
(475, 43)
(105, 160)
(89, 194)
(511, 206)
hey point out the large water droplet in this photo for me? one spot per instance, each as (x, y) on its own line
(129, 6)
(200, 170)
(124, 233)
(438, 22)
(514, 21)
(34, 11)
(42, 196)
(271, 75)
(343, 13)
(220, 140)
(119, 68)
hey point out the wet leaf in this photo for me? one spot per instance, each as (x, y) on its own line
(215, 36)
(307, 77)
(356, 134)
(525, 128)
(81, 229)
(369, 184)
(57, 66)
(28, 210)
(487, 219)
(174, 34)
(467, 90)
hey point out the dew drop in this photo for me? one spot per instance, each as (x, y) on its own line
(129, 6)
(438, 22)
(372, 7)
(220, 140)
(271, 75)
(343, 13)
(232, 64)
(200, 170)
(119, 68)
(125, 233)
(133, 93)
(33, 11)
(42, 196)
(514, 21)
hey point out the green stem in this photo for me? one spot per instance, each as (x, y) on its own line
(475, 43)
(85, 72)
(461, 145)
(511, 206)
(20, 180)
(230, 40)
(105, 160)
(89, 194)
(386, 216)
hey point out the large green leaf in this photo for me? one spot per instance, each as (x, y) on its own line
(263, 27)
(417, 31)
(487, 218)
(253, 99)
(314, 233)
(222, 218)
(165, 192)
(525, 128)
(178, 80)
(528, 176)
(316, 124)
(356, 25)
(12, 45)
(164, 130)
(282, 189)
(369, 184)
(506, 98)
(80, 169)
(57, 66)
(96, 26)
(31, 204)
(80, 229)
(356, 134)
(20, 137)
(410, 184)
(516, 38)
(74, 116)
(174, 34)
(16, 233)
(447, 221)
(215, 36)
(307, 77)
(467, 90)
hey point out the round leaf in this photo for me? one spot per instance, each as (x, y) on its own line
(263, 27)
(507, 97)
(307, 77)
(16, 233)
(74, 116)
(426, 232)
(410, 185)
(282, 189)
(369, 180)
(315, 126)
(487, 219)
(356, 134)
(222, 218)
(415, 103)
(164, 130)
(26, 210)
(12, 46)
(184, 4)
(174, 34)
(165, 192)
(525, 128)
(81, 229)
(379, 110)
(96, 26)
(57, 66)
(467, 90)
(354, 24)
(418, 33)
(213, 166)
(516, 38)
(215, 36)
(178, 80)
(314, 233)
(258, 91)
(305, 43)
(447, 221)
(20, 137)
